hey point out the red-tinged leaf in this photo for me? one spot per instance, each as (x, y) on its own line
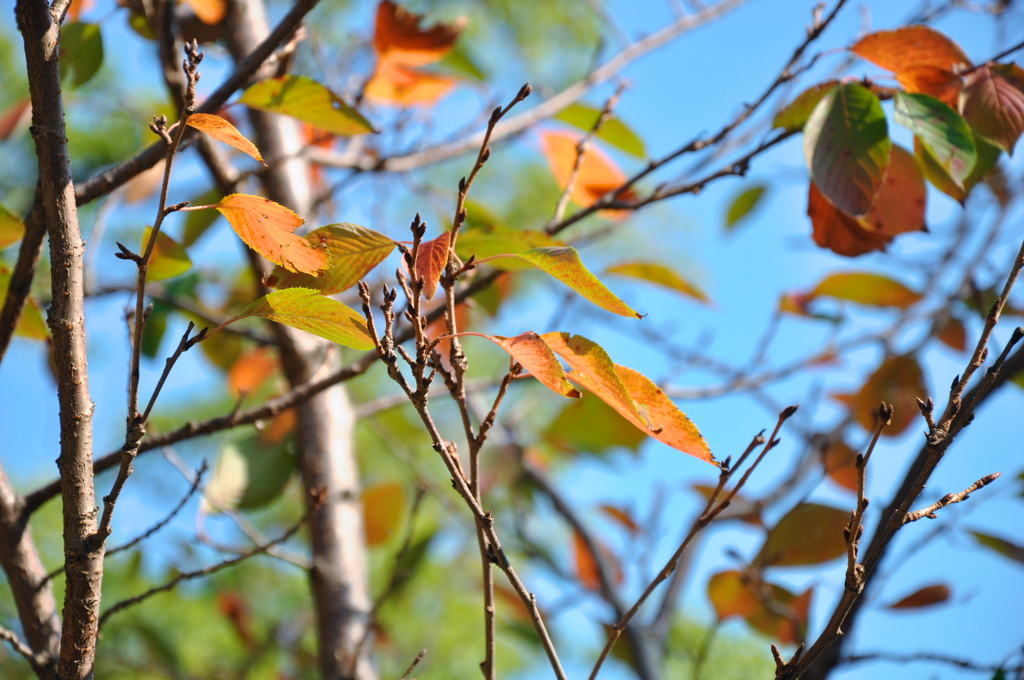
(223, 131)
(807, 534)
(928, 596)
(586, 563)
(383, 507)
(993, 103)
(400, 85)
(398, 36)
(354, 252)
(952, 334)
(307, 100)
(267, 228)
(837, 231)
(310, 311)
(898, 381)
(846, 143)
(795, 116)
(942, 131)
(492, 239)
(530, 350)
(210, 12)
(280, 427)
(910, 47)
(1005, 548)
(235, 609)
(251, 371)
(788, 626)
(660, 275)
(597, 174)
(564, 264)
(840, 464)
(767, 607)
(12, 229)
(168, 258)
(431, 260)
(864, 288)
(943, 84)
(902, 201)
(14, 117)
(622, 517)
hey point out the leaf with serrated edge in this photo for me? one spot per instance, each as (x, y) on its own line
(307, 100)
(223, 131)
(993, 103)
(354, 252)
(310, 311)
(846, 143)
(267, 228)
(168, 258)
(564, 264)
(539, 359)
(660, 275)
(942, 131)
(431, 259)
(867, 289)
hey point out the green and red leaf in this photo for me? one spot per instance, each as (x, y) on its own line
(993, 103)
(564, 264)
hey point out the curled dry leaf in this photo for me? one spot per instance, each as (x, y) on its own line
(431, 259)
(224, 131)
(267, 228)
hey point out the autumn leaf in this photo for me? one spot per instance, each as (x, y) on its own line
(597, 173)
(267, 228)
(12, 119)
(564, 264)
(76, 8)
(310, 311)
(940, 83)
(622, 517)
(993, 103)
(400, 85)
(837, 231)
(952, 333)
(592, 426)
(808, 534)
(767, 607)
(660, 275)
(305, 99)
(898, 381)
(398, 36)
(795, 115)
(354, 252)
(586, 563)
(491, 240)
(865, 288)
(251, 370)
(839, 462)
(168, 258)
(248, 474)
(987, 158)
(928, 596)
(223, 131)
(530, 350)
(383, 506)
(12, 229)
(942, 132)
(1000, 545)
(911, 48)
(431, 259)
(210, 12)
(31, 325)
(846, 143)
(614, 131)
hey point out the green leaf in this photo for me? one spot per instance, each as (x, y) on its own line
(198, 221)
(593, 426)
(81, 53)
(867, 289)
(564, 264)
(614, 131)
(168, 259)
(458, 61)
(807, 534)
(488, 241)
(310, 311)
(248, 474)
(943, 132)
(743, 204)
(846, 143)
(660, 275)
(12, 229)
(1002, 546)
(31, 325)
(795, 116)
(987, 158)
(303, 98)
(156, 327)
(354, 251)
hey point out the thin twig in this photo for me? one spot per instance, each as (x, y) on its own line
(20, 647)
(950, 499)
(412, 666)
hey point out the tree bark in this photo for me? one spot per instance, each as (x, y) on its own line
(83, 555)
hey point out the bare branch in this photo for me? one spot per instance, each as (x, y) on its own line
(950, 499)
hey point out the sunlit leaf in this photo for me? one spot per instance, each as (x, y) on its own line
(661, 275)
(251, 371)
(31, 325)
(495, 239)
(846, 143)
(354, 252)
(767, 607)
(1012, 550)
(310, 311)
(597, 174)
(209, 11)
(168, 259)
(398, 36)
(12, 229)
(795, 116)
(622, 517)
(16, 115)
(911, 46)
(924, 597)
(565, 265)
(400, 85)
(743, 204)
(248, 474)
(840, 464)
(837, 231)
(383, 507)
(530, 350)
(223, 131)
(307, 100)
(267, 228)
(943, 84)
(808, 534)
(614, 131)
(81, 53)
(898, 381)
(942, 131)
(864, 288)
(431, 260)
(993, 103)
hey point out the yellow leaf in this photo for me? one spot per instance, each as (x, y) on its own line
(382, 511)
(309, 311)
(223, 131)
(539, 359)
(267, 228)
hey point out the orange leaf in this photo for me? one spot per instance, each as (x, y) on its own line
(539, 359)
(12, 119)
(597, 174)
(397, 36)
(267, 228)
(839, 461)
(382, 511)
(953, 334)
(938, 82)
(807, 534)
(76, 8)
(924, 597)
(354, 252)
(251, 370)
(586, 563)
(622, 517)
(909, 47)
(837, 231)
(223, 131)
(993, 103)
(280, 427)
(898, 381)
(767, 607)
(431, 259)
(400, 85)
(209, 11)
